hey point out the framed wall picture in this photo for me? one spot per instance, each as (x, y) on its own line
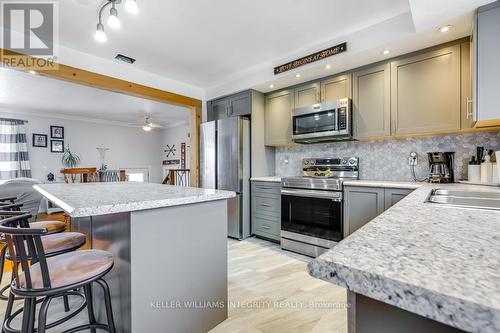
(56, 132)
(39, 140)
(57, 146)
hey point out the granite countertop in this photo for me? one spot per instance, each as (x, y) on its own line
(91, 199)
(384, 184)
(439, 262)
(272, 179)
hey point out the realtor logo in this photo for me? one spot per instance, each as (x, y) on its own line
(30, 28)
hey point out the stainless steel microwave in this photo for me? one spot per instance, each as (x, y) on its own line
(329, 121)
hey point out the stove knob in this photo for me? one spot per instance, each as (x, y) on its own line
(344, 161)
(306, 162)
(352, 161)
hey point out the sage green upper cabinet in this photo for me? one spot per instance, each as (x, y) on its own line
(487, 66)
(466, 104)
(240, 104)
(425, 92)
(278, 117)
(336, 88)
(371, 101)
(307, 95)
(217, 109)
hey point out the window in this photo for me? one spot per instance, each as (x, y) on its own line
(14, 157)
(140, 175)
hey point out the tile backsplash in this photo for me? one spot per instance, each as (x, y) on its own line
(388, 160)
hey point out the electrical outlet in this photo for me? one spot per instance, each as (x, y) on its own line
(413, 158)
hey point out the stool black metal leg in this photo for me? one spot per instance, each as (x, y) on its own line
(90, 305)
(42, 315)
(2, 259)
(27, 324)
(32, 315)
(66, 303)
(8, 309)
(107, 302)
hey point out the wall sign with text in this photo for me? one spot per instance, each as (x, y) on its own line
(331, 51)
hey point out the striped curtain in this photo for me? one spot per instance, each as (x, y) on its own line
(14, 160)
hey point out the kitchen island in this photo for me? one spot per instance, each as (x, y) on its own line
(420, 267)
(170, 249)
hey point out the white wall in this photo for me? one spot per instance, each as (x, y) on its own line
(175, 135)
(128, 147)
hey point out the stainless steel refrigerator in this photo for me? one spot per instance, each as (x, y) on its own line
(225, 165)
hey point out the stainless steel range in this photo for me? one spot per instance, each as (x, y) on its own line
(311, 205)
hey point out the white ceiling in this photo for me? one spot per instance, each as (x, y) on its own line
(22, 92)
(224, 46)
(202, 42)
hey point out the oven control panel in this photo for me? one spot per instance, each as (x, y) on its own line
(341, 167)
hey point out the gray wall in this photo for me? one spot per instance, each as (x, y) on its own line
(130, 147)
(388, 160)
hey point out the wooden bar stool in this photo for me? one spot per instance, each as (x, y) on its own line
(53, 244)
(49, 277)
(53, 227)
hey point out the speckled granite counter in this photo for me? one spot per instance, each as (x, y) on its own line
(91, 199)
(272, 179)
(438, 262)
(384, 184)
(142, 225)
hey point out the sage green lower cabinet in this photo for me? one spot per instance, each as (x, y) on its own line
(266, 210)
(363, 204)
(394, 195)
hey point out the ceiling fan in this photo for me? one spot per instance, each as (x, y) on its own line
(147, 125)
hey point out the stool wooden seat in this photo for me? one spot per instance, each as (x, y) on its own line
(67, 271)
(56, 244)
(52, 226)
(47, 278)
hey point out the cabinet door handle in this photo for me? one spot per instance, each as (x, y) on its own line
(265, 227)
(469, 108)
(265, 205)
(318, 97)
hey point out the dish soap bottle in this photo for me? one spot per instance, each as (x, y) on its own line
(486, 170)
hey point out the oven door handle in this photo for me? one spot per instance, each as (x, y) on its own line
(334, 196)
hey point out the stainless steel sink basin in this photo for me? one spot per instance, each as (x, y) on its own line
(466, 199)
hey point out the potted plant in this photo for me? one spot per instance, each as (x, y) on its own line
(70, 159)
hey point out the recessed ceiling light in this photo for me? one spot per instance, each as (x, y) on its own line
(297, 75)
(271, 86)
(328, 66)
(445, 28)
(131, 6)
(386, 52)
(32, 72)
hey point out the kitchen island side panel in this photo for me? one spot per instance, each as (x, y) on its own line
(111, 232)
(179, 268)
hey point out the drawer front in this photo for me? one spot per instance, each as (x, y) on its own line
(267, 204)
(266, 187)
(266, 227)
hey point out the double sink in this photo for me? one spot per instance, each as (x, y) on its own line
(466, 199)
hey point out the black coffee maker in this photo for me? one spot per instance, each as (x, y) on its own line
(441, 167)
